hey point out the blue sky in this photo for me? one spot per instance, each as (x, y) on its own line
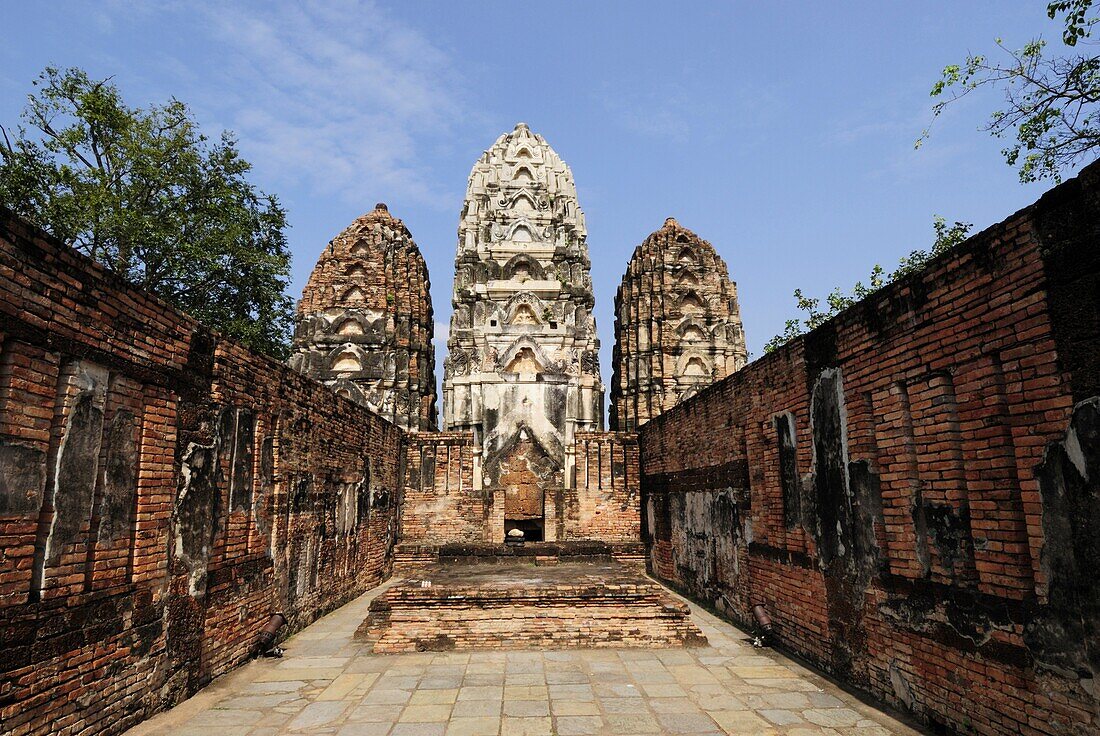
(781, 132)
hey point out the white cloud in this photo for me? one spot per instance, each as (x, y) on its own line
(891, 125)
(333, 95)
(442, 332)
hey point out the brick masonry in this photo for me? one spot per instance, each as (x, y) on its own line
(912, 489)
(441, 503)
(605, 502)
(677, 325)
(364, 324)
(162, 493)
(519, 605)
(445, 502)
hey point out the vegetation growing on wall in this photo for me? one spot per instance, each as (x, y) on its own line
(947, 237)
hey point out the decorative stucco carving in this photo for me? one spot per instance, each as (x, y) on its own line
(677, 325)
(365, 324)
(521, 224)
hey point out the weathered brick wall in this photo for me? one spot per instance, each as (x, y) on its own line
(605, 502)
(913, 489)
(162, 493)
(441, 503)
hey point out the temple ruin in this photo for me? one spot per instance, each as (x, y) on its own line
(677, 326)
(364, 324)
(906, 497)
(523, 370)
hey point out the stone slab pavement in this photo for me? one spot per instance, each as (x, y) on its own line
(329, 684)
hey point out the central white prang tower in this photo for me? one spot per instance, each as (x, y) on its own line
(522, 370)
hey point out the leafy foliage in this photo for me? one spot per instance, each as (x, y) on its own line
(947, 237)
(1051, 102)
(143, 192)
(1078, 24)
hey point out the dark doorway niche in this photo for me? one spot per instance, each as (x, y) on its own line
(532, 528)
(526, 477)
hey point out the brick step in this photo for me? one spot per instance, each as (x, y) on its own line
(517, 606)
(405, 560)
(581, 550)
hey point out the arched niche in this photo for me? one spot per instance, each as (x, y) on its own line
(347, 362)
(524, 315)
(521, 272)
(687, 276)
(693, 333)
(688, 257)
(354, 294)
(524, 363)
(523, 268)
(523, 203)
(695, 367)
(691, 302)
(349, 327)
(347, 388)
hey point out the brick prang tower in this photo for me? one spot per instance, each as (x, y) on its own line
(677, 326)
(364, 324)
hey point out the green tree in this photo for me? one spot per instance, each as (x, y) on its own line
(1051, 102)
(947, 237)
(145, 193)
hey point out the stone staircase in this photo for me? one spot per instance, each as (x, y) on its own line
(516, 604)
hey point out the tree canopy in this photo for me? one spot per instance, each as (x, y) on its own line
(145, 193)
(1051, 102)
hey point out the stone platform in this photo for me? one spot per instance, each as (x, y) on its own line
(515, 604)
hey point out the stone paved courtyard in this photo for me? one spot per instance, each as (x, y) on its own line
(328, 683)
